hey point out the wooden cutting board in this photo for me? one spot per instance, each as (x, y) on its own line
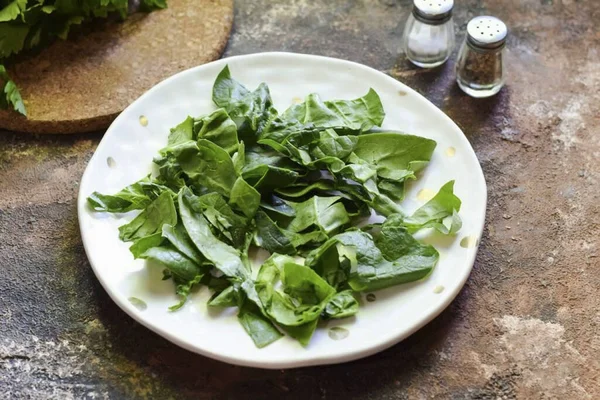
(83, 83)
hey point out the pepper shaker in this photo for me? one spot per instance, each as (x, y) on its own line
(480, 68)
(429, 33)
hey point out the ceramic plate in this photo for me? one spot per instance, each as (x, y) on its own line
(125, 155)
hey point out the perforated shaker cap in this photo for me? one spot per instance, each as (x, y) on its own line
(487, 32)
(433, 10)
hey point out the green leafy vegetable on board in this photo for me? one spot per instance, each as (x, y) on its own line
(28, 24)
(296, 184)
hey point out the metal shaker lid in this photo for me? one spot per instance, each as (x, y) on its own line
(433, 10)
(487, 32)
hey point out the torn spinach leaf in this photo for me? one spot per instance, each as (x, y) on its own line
(177, 264)
(325, 213)
(134, 197)
(219, 129)
(440, 213)
(271, 237)
(342, 305)
(225, 258)
(244, 197)
(161, 211)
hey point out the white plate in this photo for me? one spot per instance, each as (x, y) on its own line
(397, 312)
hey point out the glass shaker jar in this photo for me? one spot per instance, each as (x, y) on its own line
(480, 68)
(429, 33)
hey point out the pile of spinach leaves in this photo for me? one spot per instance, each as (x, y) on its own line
(296, 184)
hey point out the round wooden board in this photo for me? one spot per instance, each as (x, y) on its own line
(82, 84)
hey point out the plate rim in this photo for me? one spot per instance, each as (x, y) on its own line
(428, 314)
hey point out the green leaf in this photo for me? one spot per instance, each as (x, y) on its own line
(270, 237)
(161, 211)
(178, 264)
(12, 38)
(183, 291)
(225, 298)
(356, 115)
(259, 328)
(440, 213)
(395, 156)
(133, 197)
(301, 190)
(179, 239)
(149, 5)
(12, 10)
(342, 305)
(216, 170)
(239, 159)
(13, 97)
(400, 259)
(244, 197)
(326, 213)
(250, 110)
(143, 244)
(216, 210)
(226, 258)
(182, 133)
(219, 129)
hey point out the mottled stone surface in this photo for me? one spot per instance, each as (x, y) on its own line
(524, 326)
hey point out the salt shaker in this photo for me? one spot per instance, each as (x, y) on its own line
(480, 68)
(429, 33)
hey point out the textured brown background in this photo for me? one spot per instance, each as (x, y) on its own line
(524, 326)
(80, 85)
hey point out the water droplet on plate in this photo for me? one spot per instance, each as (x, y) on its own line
(450, 151)
(468, 242)
(338, 333)
(425, 194)
(438, 289)
(138, 303)
(111, 162)
(143, 120)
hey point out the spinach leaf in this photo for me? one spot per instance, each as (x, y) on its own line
(134, 197)
(271, 237)
(219, 129)
(230, 225)
(250, 110)
(401, 259)
(179, 239)
(226, 298)
(355, 115)
(395, 156)
(141, 245)
(441, 213)
(244, 197)
(259, 328)
(325, 213)
(300, 190)
(161, 211)
(265, 170)
(178, 264)
(342, 305)
(239, 159)
(184, 289)
(303, 299)
(279, 207)
(331, 144)
(182, 133)
(216, 171)
(224, 257)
